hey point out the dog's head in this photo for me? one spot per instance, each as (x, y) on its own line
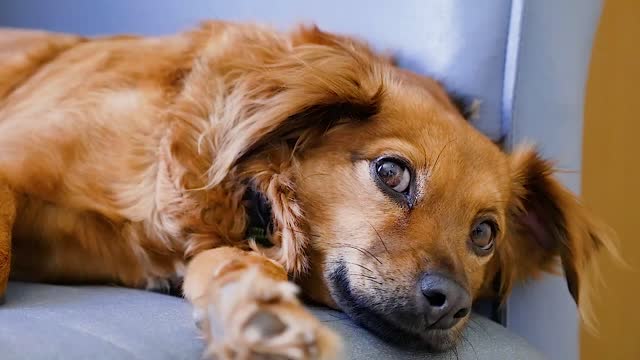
(387, 203)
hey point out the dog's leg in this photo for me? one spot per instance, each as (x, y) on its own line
(247, 309)
(7, 217)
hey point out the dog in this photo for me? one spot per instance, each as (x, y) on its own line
(242, 164)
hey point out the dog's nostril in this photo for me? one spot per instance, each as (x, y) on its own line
(461, 313)
(436, 298)
(446, 302)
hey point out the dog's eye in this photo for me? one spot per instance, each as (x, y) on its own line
(393, 174)
(482, 236)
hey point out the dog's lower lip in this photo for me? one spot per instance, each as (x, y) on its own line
(388, 330)
(435, 340)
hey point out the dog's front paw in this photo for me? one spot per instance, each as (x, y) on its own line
(257, 317)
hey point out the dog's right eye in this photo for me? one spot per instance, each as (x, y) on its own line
(394, 175)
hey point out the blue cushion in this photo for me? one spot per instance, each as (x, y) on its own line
(90, 322)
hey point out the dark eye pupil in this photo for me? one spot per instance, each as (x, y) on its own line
(390, 173)
(482, 235)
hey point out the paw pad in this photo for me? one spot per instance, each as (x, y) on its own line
(262, 325)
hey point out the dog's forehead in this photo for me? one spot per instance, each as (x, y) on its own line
(407, 80)
(420, 102)
(420, 113)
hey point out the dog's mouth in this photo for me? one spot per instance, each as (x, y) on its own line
(403, 328)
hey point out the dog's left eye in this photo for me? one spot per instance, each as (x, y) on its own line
(482, 236)
(394, 174)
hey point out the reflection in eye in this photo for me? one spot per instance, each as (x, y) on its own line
(393, 174)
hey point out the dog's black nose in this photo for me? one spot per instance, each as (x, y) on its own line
(447, 302)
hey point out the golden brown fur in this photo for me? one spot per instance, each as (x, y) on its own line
(128, 158)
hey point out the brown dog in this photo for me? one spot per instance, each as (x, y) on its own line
(140, 160)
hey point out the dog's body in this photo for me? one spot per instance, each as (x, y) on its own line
(125, 160)
(101, 99)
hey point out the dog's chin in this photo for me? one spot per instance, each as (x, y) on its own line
(435, 340)
(399, 329)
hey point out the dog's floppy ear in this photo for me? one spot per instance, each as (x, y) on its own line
(546, 221)
(285, 92)
(265, 100)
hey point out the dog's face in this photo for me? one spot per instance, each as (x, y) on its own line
(403, 211)
(412, 213)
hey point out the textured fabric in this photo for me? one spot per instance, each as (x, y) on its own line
(62, 322)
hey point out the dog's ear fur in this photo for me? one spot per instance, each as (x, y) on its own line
(288, 92)
(545, 221)
(270, 97)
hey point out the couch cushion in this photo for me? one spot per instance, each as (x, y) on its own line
(90, 322)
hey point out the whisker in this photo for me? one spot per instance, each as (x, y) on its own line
(425, 155)
(350, 263)
(464, 339)
(379, 237)
(363, 251)
(478, 326)
(440, 153)
(367, 277)
(455, 352)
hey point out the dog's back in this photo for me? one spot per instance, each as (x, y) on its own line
(87, 140)
(23, 52)
(79, 130)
